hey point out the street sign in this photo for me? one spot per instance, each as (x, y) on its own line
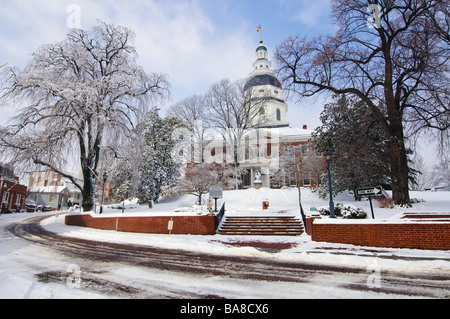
(369, 191)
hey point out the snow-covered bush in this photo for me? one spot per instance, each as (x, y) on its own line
(353, 213)
(347, 212)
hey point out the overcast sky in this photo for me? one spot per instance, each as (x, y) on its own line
(194, 42)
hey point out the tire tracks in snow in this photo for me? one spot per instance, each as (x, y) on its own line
(202, 265)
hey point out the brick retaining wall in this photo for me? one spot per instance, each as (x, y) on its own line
(395, 233)
(188, 225)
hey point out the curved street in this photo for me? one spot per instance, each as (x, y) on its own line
(110, 270)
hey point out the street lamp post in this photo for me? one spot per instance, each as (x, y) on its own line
(105, 177)
(328, 159)
(3, 188)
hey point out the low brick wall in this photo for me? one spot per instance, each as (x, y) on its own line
(309, 221)
(395, 233)
(182, 225)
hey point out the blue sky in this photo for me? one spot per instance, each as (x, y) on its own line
(195, 42)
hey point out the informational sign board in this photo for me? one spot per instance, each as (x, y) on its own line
(216, 192)
(170, 226)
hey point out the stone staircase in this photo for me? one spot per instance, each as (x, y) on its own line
(260, 225)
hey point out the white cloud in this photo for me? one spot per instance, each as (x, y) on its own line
(173, 37)
(313, 13)
(25, 25)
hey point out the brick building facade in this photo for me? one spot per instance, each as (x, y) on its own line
(12, 193)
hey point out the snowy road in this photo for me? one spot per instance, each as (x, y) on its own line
(36, 263)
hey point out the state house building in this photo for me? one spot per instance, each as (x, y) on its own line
(273, 153)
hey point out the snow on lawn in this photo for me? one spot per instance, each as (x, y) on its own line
(282, 203)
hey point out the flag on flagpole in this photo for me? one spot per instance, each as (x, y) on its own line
(258, 29)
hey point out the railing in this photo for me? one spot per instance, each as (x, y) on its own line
(302, 213)
(219, 216)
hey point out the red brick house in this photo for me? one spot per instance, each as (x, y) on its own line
(12, 193)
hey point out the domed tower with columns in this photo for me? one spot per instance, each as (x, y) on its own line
(264, 86)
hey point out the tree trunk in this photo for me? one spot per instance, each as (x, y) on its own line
(399, 172)
(88, 191)
(394, 130)
(399, 163)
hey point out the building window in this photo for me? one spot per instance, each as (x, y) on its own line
(51, 198)
(304, 150)
(5, 197)
(247, 148)
(247, 179)
(307, 180)
(292, 179)
(278, 115)
(291, 152)
(275, 183)
(262, 111)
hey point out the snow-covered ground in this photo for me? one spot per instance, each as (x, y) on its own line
(281, 203)
(20, 260)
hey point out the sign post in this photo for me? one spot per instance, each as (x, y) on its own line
(369, 192)
(170, 226)
(216, 192)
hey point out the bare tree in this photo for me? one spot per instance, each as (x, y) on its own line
(233, 111)
(83, 96)
(439, 16)
(396, 66)
(299, 162)
(424, 178)
(200, 177)
(191, 111)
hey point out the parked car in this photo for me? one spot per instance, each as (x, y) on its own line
(30, 205)
(44, 208)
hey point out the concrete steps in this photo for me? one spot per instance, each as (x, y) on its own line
(261, 226)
